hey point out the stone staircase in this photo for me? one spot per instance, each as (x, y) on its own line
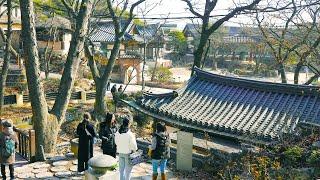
(15, 76)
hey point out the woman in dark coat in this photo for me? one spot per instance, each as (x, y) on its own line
(86, 134)
(106, 134)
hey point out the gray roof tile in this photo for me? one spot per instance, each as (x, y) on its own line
(238, 107)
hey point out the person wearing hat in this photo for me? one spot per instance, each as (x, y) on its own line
(8, 143)
(106, 133)
(86, 133)
(126, 144)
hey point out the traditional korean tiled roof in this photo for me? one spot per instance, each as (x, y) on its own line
(148, 31)
(234, 107)
(105, 32)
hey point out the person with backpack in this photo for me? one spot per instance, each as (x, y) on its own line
(86, 134)
(160, 150)
(8, 143)
(106, 134)
(126, 144)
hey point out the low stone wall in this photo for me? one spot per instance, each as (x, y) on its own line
(197, 159)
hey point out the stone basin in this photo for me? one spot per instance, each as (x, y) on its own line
(74, 146)
(102, 163)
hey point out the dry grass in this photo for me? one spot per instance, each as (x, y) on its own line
(16, 113)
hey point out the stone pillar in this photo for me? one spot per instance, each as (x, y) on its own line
(102, 167)
(83, 97)
(19, 99)
(184, 151)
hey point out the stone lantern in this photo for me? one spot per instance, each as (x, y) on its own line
(102, 167)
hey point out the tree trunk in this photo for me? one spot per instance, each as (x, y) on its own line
(312, 79)
(6, 61)
(214, 61)
(99, 104)
(156, 64)
(99, 107)
(199, 53)
(143, 65)
(36, 94)
(297, 72)
(73, 61)
(282, 73)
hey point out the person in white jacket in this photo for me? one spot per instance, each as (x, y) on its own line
(126, 144)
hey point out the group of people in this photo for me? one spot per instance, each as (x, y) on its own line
(120, 140)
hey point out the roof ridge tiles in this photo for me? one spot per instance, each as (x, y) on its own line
(258, 85)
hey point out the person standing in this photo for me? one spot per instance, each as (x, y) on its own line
(106, 133)
(86, 134)
(108, 85)
(126, 144)
(114, 89)
(8, 143)
(160, 150)
(120, 89)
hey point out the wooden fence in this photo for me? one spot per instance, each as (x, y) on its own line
(19, 99)
(27, 143)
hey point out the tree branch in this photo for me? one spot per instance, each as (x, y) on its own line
(234, 12)
(90, 56)
(191, 9)
(70, 10)
(131, 16)
(12, 50)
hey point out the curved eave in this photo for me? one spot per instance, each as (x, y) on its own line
(184, 125)
(258, 85)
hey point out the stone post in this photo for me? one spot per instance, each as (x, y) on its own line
(19, 99)
(83, 97)
(184, 150)
(102, 167)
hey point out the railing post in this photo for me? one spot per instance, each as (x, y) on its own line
(83, 96)
(32, 145)
(1, 127)
(19, 99)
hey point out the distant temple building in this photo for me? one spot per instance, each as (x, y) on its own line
(241, 109)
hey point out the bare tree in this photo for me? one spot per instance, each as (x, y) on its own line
(47, 125)
(310, 32)
(73, 60)
(102, 75)
(283, 41)
(6, 60)
(207, 28)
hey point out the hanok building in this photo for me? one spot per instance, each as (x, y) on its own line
(54, 33)
(16, 25)
(241, 109)
(129, 63)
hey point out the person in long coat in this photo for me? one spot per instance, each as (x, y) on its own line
(106, 134)
(9, 136)
(86, 134)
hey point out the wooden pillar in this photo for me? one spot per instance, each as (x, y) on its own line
(32, 145)
(138, 69)
(1, 127)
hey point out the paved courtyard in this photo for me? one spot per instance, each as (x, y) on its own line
(65, 167)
